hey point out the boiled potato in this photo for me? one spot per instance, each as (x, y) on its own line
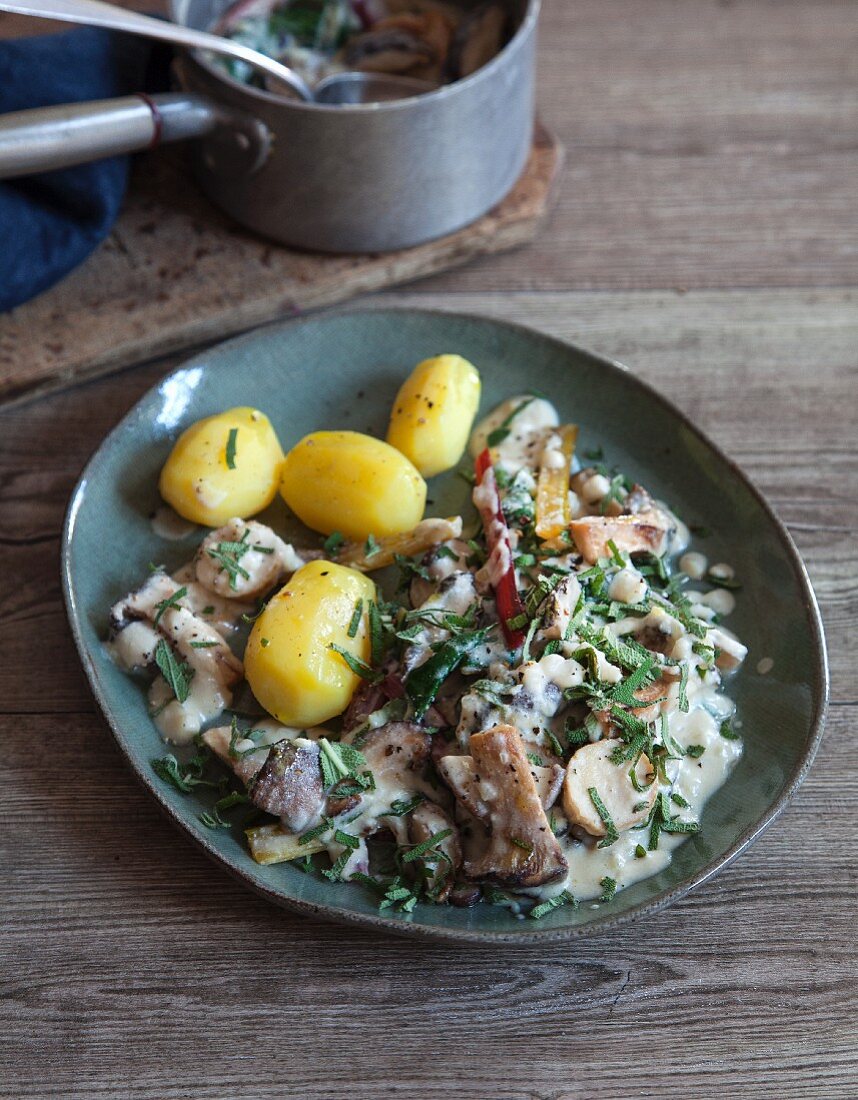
(288, 662)
(352, 483)
(224, 466)
(433, 413)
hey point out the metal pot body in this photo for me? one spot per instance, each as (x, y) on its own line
(368, 177)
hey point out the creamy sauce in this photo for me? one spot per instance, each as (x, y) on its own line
(528, 429)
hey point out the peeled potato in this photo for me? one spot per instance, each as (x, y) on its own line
(352, 483)
(288, 662)
(224, 466)
(434, 411)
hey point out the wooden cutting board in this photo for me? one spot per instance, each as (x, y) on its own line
(176, 272)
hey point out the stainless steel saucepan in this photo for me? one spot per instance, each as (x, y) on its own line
(345, 178)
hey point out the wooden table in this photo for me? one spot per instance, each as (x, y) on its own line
(707, 235)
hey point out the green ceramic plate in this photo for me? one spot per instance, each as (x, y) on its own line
(342, 371)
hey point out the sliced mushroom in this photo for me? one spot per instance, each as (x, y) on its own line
(522, 851)
(444, 861)
(250, 754)
(478, 39)
(289, 784)
(242, 560)
(387, 51)
(591, 769)
(631, 534)
(561, 606)
(396, 753)
(461, 777)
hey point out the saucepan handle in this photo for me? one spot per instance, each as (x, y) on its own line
(45, 138)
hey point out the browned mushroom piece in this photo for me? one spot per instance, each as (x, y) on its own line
(390, 50)
(461, 777)
(396, 754)
(444, 860)
(522, 851)
(479, 38)
(638, 501)
(638, 534)
(289, 785)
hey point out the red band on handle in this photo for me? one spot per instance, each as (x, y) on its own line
(157, 119)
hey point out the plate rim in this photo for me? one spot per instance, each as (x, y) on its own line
(820, 685)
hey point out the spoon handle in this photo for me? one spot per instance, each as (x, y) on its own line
(96, 13)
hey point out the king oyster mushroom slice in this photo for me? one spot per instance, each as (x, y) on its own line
(250, 755)
(289, 784)
(460, 775)
(479, 38)
(396, 754)
(521, 851)
(592, 769)
(426, 821)
(244, 559)
(646, 532)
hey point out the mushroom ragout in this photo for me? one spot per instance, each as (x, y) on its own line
(537, 717)
(428, 40)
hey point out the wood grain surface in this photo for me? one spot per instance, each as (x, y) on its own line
(706, 234)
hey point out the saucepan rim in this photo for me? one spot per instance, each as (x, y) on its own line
(446, 91)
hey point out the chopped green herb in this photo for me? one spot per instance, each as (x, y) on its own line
(227, 555)
(355, 620)
(171, 601)
(203, 645)
(519, 843)
(727, 732)
(695, 751)
(609, 888)
(184, 777)
(426, 846)
(358, 667)
(679, 800)
(231, 800)
(311, 834)
(640, 851)
(683, 688)
(230, 448)
(376, 634)
(177, 674)
(213, 820)
(611, 834)
(503, 429)
(544, 907)
(401, 807)
(332, 544)
(371, 546)
(717, 581)
(535, 760)
(265, 642)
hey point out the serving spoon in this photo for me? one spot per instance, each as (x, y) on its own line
(339, 88)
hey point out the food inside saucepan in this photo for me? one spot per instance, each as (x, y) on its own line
(426, 39)
(527, 709)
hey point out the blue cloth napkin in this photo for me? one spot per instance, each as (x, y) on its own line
(49, 223)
